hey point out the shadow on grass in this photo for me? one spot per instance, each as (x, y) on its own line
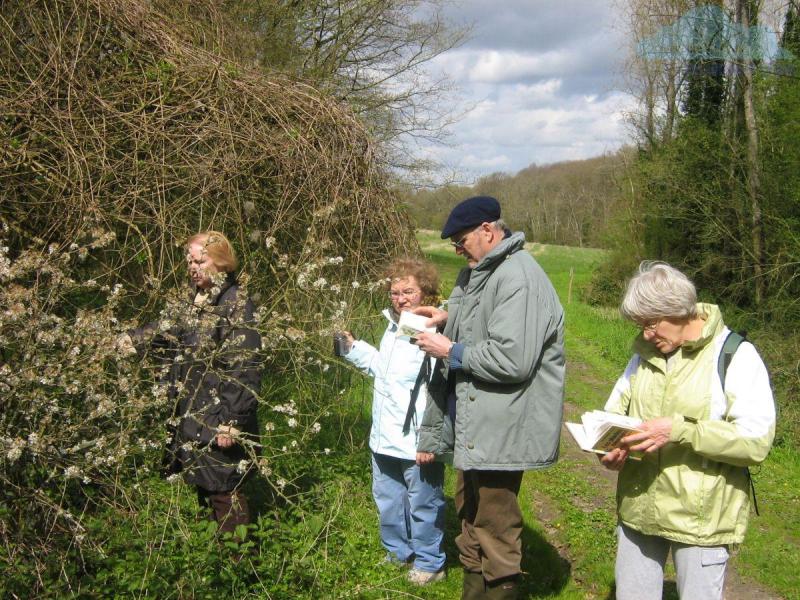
(546, 572)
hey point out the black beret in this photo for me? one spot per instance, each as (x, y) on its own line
(471, 213)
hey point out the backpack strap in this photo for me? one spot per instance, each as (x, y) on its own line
(423, 376)
(729, 348)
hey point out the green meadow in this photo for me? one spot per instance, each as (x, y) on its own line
(569, 509)
(319, 539)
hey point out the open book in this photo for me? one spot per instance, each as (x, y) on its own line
(410, 325)
(601, 431)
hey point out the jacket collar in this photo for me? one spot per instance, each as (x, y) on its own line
(506, 247)
(391, 316)
(230, 281)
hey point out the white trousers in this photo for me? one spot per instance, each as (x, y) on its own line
(640, 567)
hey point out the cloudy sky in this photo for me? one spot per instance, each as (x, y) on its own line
(540, 78)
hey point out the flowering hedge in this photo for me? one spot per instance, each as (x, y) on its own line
(118, 139)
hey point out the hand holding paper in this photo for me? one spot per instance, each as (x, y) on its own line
(411, 325)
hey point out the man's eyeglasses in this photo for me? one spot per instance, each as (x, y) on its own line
(407, 293)
(459, 245)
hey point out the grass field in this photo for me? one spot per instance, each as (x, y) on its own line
(569, 509)
(322, 541)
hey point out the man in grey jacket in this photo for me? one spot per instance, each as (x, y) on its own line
(496, 398)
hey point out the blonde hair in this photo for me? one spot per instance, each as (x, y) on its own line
(422, 270)
(659, 291)
(218, 247)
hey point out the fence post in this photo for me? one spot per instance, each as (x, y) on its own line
(569, 289)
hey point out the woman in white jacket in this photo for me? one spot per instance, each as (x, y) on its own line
(409, 496)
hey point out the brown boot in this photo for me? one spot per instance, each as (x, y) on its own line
(503, 589)
(474, 587)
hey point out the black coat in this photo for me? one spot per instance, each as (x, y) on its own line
(214, 375)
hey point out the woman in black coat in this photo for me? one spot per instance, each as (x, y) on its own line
(214, 378)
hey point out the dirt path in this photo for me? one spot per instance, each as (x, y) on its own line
(604, 482)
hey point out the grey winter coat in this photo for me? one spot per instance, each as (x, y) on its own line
(510, 389)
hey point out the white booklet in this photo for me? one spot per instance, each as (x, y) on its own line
(411, 325)
(601, 431)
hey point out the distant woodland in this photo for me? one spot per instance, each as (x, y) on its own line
(572, 203)
(710, 182)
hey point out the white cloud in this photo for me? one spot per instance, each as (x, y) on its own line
(537, 86)
(503, 135)
(500, 66)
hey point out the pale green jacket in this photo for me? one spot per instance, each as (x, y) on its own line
(694, 490)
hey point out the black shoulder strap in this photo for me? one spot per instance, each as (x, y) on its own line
(423, 375)
(729, 348)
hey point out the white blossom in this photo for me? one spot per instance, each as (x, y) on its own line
(15, 451)
(73, 472)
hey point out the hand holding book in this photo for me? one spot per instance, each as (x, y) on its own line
(411, 325)
(651, 435)
(601, 431)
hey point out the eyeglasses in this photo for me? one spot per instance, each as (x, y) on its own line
(650, 326)
(459, 245)
(407, 293)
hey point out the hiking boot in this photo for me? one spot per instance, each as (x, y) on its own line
(420, 577)
(503, 589)
(474, 586)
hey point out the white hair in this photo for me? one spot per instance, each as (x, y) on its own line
(500, 225)
(659, 291)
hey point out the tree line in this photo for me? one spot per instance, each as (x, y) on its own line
(572, 203)
(709, 182)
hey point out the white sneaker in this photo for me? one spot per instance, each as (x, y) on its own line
(420, 577)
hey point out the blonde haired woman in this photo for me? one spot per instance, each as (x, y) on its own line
(214, 376)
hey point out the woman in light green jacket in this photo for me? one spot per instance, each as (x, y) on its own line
(689, 491)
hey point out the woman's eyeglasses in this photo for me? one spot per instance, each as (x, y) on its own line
(408, 293)
(650, 325)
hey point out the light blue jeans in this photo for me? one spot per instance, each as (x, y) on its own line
(410, 502)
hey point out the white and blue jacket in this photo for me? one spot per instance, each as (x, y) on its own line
(395, 368)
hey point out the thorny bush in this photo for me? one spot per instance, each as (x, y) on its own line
(119, 138)
(84, 423)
